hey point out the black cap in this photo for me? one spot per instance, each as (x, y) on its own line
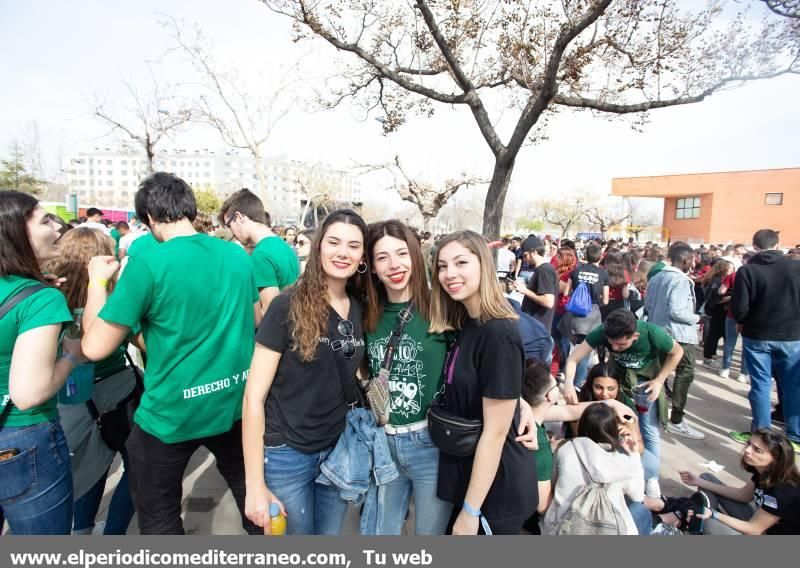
(531, 243)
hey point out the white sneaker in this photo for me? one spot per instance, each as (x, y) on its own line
(725, 373)
(652, 488)
(683, 429)
(743, 378)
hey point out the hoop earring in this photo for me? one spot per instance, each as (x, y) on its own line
(359, 267)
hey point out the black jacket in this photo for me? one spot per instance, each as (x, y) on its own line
(766, 297)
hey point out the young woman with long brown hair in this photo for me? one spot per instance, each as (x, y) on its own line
(36, 487)
(715, 307)
(113, 382)
(769, 503)
(398, 280)
(484, 381)
(308, 349)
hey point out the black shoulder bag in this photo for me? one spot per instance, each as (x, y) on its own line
(378, 393)
(115, 425)
(4, 309)
(451, 433)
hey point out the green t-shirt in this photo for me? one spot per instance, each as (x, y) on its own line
(194, 297)
(645, 350)
(417, 365)
(275, 264)
(141, 244)
(544, 455)
(45, 307)
(655, 269)
(115, 234)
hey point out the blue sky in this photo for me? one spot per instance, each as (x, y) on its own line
(56, 54)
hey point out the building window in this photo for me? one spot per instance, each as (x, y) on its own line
(109, 162)
(774, 199)
(688, 208)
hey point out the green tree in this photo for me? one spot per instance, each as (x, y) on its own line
(533, 225)
(207, 200)
(13, 174)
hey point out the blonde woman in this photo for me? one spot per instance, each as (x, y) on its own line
(483, 376)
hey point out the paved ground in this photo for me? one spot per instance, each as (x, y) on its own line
(715, 406)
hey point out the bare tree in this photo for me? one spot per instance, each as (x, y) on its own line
(428, 199)
(242, 116)
(562, 213)
(616, 57)
(640, 219)
(147, 116)
(319, 196)
(787, 8)
(604, 219)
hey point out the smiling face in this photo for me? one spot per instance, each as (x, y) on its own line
(604, 388)
(391, 263)
(459, 272)
(43, 234)
(341, 250)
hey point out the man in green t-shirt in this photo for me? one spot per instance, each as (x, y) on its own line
(275, 263)
(196, 300)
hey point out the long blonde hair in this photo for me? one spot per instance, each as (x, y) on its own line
(76, 248)
(309, 309)
(446, 313)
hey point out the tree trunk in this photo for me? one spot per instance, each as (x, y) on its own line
(262, 190)
(496, 198)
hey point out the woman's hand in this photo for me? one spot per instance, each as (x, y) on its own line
(689, 478)
(526, 434)
(102, 268)
(257, 502)
(54, 279)
(466, 524)
(628, 441)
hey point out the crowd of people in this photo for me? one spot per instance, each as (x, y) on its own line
(372, 366)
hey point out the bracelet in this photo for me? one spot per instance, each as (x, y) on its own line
(470, 510)
(98, 283)
(70, 357)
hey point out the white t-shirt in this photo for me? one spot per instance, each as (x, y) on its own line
(126, 241)
(505, 260)
(96, 225)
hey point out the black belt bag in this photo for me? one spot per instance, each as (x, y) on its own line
(449, 432)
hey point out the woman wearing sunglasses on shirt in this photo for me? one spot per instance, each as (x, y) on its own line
(295, 401)
(497, 485)
(399, 280)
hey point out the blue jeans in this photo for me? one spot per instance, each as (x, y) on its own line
(36, 487)
(650, 464)
(779, 359)
(417, 460)
(651, 436)
(120, 510)
(731, 336)
(311, 508)
(642, 517)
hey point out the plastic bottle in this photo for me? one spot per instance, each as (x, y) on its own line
(277, 522)
(78, 386)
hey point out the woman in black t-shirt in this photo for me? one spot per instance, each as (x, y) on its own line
(767, 504)
(308, 349)
(484, 381)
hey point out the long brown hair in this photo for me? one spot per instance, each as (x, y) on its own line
(783, 468)
(17, 256)
(446, 313)
(309, 308)
(77, 247)
(718, 270)
(376, 292)
(615, 268)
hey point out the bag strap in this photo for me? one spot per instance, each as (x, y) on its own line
(6, 307)
(9, 304)
(403, 317)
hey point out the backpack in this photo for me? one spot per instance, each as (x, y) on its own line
(591, 511)
(580, 303)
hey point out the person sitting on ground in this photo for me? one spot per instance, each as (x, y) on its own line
(603, 456)
(540, 391)
(769, 503)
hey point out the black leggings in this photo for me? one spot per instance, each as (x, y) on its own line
(714, 331)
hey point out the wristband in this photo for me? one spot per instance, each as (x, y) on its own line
(715, 515)
(98, 283)
(470, 510)
(70, 357)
